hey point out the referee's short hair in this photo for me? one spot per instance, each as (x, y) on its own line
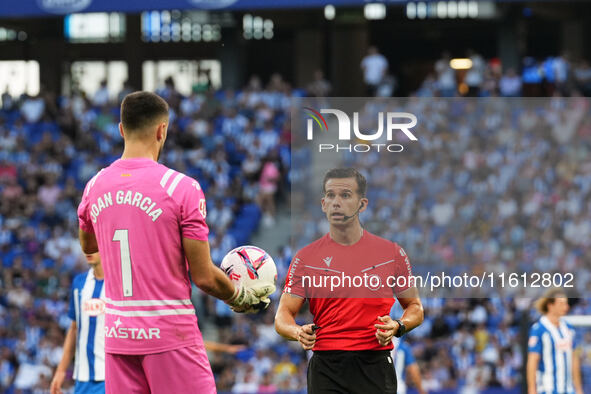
(346, 173)
(140, 110)
(548, 298)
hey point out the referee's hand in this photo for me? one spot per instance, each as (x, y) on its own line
(306, 336)
(385, 331)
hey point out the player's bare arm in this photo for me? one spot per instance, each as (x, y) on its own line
(414, 375)
(577, 381)
(204, 273)
(213, 281)
(412, 317)
(286, 326)
(88, 242)
(67, 357)
(217, 347)
(533, 359)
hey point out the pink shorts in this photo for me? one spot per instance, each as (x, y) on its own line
(184, 370)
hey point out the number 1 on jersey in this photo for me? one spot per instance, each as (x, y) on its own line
(122, 237)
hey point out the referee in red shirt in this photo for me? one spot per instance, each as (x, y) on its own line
(352, 332)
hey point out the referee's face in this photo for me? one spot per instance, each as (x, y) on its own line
(341, 200)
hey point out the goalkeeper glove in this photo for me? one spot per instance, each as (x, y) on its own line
(250, 299)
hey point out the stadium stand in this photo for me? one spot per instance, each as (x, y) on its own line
(49, 148)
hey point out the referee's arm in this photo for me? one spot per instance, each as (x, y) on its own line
(412, 317)
(286, 326)
(413, 308)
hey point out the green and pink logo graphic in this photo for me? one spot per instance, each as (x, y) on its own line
(317, 117)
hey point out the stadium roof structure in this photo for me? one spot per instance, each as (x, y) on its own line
(27, 8)
(40, 8)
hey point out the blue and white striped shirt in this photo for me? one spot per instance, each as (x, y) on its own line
(555, 345)
(403, 357)
(87, 308)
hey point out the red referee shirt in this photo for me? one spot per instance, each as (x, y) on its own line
(347, 309)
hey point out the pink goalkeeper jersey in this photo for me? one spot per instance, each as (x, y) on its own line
(139, 211)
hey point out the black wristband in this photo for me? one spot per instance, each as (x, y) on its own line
(401, 328)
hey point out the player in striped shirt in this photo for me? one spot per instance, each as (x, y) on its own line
(85, 340)
(148, 221)
(553, 361)
(406, 364)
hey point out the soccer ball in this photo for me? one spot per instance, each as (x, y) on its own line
(251, 266)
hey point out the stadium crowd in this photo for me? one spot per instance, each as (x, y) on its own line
(453, 208)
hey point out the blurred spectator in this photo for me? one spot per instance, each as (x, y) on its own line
(374, 66)
(125, 90)
(30, 373)
(446, 76)
(582, 75)
(477, 377)
(50, 192)
(510, 84)
(268, 187)
(475, 75)
(319, 87)
(33, 108)
(7, 101)
(248, 383)
(101, 96)
(531, 77)
(267, 385)
(387, 86)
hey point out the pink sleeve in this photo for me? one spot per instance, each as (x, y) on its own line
(193, 211)
(84, 214)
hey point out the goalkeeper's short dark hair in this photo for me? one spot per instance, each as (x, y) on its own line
(142, 109)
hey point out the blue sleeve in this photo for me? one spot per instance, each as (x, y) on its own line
(72, 309)
(409, 357)
(574, 336)
(75, 284)
(534, 343)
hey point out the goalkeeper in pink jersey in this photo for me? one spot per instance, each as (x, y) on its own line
(148, 221)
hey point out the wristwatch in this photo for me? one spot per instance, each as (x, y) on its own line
(401, 329)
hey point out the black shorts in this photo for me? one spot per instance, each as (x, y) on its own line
(351, 372)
